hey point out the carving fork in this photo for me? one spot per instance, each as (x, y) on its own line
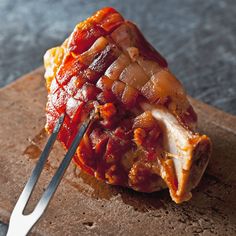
(20, 224)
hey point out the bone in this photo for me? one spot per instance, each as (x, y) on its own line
(189, 151)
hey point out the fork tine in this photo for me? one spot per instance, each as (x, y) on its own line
(21, 224)
(29, 187)
(56, 179)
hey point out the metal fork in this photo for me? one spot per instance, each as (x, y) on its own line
(20, 224)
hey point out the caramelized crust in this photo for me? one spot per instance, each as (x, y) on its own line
(144, 138)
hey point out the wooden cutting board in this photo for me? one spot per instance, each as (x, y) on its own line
(85, 206)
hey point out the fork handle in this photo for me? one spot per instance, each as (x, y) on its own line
(19, 226)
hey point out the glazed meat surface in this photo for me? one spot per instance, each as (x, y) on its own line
(144, 137)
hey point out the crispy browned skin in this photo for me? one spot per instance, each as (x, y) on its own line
(144, 138)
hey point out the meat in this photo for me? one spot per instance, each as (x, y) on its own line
(145, 136)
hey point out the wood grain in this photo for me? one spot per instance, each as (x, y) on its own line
(85, 206)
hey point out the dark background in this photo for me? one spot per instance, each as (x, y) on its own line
(197, 37)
